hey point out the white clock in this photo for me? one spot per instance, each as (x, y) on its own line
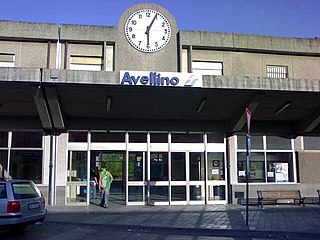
(148, 30)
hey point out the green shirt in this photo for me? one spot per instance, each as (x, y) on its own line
(105, 179)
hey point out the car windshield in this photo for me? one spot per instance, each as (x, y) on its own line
(3, 191)
(23, 190)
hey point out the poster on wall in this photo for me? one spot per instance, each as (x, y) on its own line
(281, 172)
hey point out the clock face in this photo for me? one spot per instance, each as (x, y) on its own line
(148, 30)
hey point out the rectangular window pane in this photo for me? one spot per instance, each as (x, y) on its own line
(135, 166)
(89, 63)
(27, 139)
(178, 193)
(278, 143)
(26, 165)
(25, 190)
(159, 166)
(186, 138)
(216, 193)
(178, 166)
(77, 166)
(215, 138)
(256, 142)
(3, 163)
(311, 143)
(207, 68)
(78, 136)
(257, 167)
(3, 139)
(216, 166)
(107, 137)
(196, 193)
(280, 167)
(138, 137)
(196, 166)
(158, 137)
(135, 193)
(159, 193)
(7, 60)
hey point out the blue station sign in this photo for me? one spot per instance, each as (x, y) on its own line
(164, 79)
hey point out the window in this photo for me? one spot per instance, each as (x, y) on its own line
(7, 60)
(26, 164)
(23, 158)
(108, 137)
(277, 72)
(271, 159)
(159, 166)
(186, 138)
(311, 143)
(207, 68)
(89, 63)
(24, 190)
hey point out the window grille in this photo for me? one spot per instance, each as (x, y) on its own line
(277, 72)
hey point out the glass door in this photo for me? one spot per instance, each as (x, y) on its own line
(196, 177)
(216, 178)
(178, 183)
(114, 161)
(136, 178)
(77, 185)
(158, 186)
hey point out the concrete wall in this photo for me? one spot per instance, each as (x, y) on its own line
(255, 64)
(27, 54)
(308, 161)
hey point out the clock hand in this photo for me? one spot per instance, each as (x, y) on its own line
(148, 30)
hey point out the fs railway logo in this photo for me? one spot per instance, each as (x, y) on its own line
(164, 79)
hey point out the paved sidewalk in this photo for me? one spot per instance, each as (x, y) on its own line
(272, 222)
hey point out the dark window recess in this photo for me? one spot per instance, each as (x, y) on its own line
(215, 138)
(27, 139)
(107, 137)
(138, 137)
(26, 165)
(3, 139)
(78, 136)
(186, 138)
(158, 137)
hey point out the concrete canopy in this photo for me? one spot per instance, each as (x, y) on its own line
(78, 99)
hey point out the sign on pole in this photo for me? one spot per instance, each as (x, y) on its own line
(248, 141)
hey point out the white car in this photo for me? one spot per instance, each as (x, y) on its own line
(21, 204)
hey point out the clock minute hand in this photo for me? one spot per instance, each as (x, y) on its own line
(148, 29)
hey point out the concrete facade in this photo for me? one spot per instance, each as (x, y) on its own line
(41, 92)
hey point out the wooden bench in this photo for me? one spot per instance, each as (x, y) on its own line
(275, 195)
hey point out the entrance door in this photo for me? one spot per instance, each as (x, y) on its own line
(216, 178)
(77, 186)
(196, 182)
(136, 178)
(187, 178)
(114, 161)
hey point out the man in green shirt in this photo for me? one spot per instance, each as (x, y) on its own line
(105, 180)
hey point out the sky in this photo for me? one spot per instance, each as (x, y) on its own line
(283, 18)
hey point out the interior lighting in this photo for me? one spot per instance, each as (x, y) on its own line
(108, 105)
(201, 105)
(282, 108)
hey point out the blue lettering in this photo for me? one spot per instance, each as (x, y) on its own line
(153, 79)
(174, 81)
(144, 80)
(126, 79)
